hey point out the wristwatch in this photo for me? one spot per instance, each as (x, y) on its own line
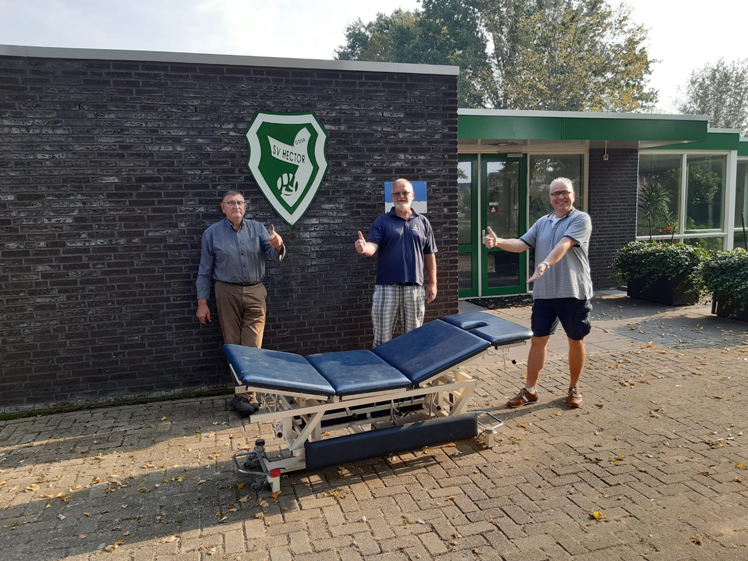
(547, 265)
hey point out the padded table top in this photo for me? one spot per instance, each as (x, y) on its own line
(275, 370)
(495, 330)
(432, 348)
(356, 372)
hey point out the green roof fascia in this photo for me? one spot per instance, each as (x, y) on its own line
(743, 147)
(715, 140)
(506, 127)
(633, 129)
(580, 126)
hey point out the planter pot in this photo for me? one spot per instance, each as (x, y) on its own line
(724, 311)
(664, 291)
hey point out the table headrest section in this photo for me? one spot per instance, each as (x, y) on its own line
(357, 372)
(493, 329)
(275, 370)
(430, 349)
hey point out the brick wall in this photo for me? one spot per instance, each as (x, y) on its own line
(111, 170)
(612, 207)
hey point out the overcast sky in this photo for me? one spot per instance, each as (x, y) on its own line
(683, 34)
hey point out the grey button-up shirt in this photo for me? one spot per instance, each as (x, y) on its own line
(235, 256)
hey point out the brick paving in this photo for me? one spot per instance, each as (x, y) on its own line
(659, 451)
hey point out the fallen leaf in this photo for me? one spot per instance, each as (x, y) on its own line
(597, 515)
(275, 495)
(81, 536)
(169, 539)
(61, 516)
(164, 418)
(148, 466)
(240, 486)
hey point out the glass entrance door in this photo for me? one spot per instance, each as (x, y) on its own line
(503, 209)
(467, 224)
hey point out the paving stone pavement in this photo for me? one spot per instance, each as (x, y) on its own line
(659, 451)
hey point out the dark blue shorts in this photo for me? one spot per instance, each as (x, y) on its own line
(574, 316)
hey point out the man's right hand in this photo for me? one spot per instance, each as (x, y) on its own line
(490, 240)
(203, 312)
(360, 243)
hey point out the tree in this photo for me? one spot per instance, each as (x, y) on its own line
(520, 54)
(719, 90)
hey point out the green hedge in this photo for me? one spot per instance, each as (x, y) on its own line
(725, 275)
(653, 260)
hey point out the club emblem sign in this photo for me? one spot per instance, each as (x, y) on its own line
(287, 159)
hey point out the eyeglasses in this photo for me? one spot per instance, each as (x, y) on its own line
(235, 203)
(561, 194)
(401, 194)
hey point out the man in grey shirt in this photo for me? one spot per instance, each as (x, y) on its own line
(563, 286)
(233, 254)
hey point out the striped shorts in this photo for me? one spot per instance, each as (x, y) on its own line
(392, 303)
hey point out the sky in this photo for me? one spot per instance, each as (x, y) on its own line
(683, 34)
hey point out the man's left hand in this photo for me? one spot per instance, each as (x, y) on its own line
(430, 293)
(275, 240)
(539, 272)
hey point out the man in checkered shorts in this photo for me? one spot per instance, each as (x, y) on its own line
(405, 243)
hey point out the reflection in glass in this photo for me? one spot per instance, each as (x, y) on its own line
(706, 185)
(741, 196)
(741, 239)
(543, 170)
(712, 244)
(503, 218)
(659, 194)
(464, 203)
(465, 268)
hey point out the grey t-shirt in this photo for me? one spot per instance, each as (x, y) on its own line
(570, 277)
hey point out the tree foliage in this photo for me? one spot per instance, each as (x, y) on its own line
(519, 54)
(719, 90)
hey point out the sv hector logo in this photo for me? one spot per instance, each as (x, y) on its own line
(287, 160)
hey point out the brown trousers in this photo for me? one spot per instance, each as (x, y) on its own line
(241, 312)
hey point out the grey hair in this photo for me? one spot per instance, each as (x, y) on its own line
(565, 181)
(231, 194)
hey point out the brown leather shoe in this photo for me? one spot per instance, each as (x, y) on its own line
(575, 397)
(522, 398)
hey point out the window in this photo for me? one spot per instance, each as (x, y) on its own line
(543, 170)
(741, 204)
(682, 196)
(659, 194)
(705, 193)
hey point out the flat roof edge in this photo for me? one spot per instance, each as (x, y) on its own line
(577, 114)
(233, 60)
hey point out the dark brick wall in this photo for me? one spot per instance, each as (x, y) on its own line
(109, 173)
(612, 207)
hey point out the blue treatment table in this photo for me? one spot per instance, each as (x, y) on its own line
(404, 394)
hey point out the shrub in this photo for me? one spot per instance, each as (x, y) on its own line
(653, 260)
(725, 275)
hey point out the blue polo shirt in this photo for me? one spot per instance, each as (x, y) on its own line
(401, 247)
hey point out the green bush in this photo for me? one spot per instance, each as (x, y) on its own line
(653, 260)
(725, 275)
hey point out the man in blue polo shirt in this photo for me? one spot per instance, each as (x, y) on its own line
(563, 286)
(405, 244)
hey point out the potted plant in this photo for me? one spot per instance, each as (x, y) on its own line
(725, 275)
(663, 272)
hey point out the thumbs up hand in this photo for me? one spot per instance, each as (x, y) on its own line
(490, 240)
(360, 243)
(275, 240)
